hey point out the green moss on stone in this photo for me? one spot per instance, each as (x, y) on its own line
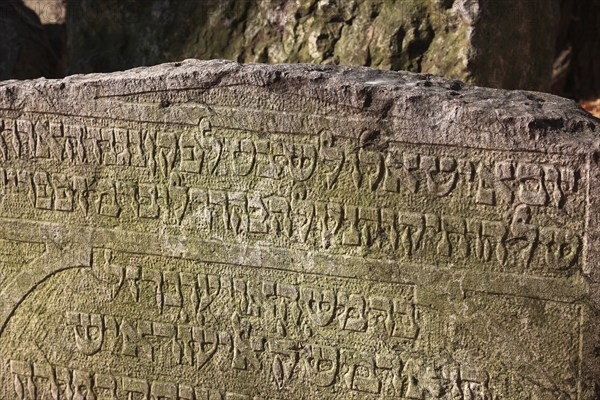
(503, 44)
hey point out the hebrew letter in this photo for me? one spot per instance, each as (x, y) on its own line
(243, 156)
(351, 236)
(106, 202)
(172, 289)
(106, 143)
(390, 227)
(494, 236)
(403, 320)
(319, 304)
(206, 344)
(166, 146)
(156, 277)
(43, 191)
(136, 148)
(454, 240)
(321, 365)
(242, 297)
(186, 393)
(191, 153)
(105, 386)
(122, 147)
(45, 381)
(368, 222)
(208, 394)
(332, 159)
(444, 169)
(352, 316)
(329, 221)
(165, 337)
(361, 374)
(258, 214)
(302, 161)
(486, 193)
(24, 385)
(178, 200)
(147, 201)
(64, 193)
(553, 186)
(89, 331)
(163, 391)
(504, 174)
(82, 383)
(209, 288)
(523, 233)
(242, 352)
(42, 138)
(400, 173)
(279, 211)
(63, 381)
(380, 309)
(369, 168)
(411, 227)
(136, 389)
(237, 212)
(303, 215)
(285, 360)
(531, 185)
(562, 247)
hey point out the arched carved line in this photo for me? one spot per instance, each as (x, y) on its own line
(53, 261)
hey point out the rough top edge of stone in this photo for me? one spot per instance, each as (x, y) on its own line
(418, 107)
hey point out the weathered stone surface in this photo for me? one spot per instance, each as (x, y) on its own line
(209, 230)
(25, 51)
(508, 43)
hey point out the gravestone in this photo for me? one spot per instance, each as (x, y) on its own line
(217, 231)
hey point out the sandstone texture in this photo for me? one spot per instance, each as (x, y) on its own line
(213, 230)
(508, 44)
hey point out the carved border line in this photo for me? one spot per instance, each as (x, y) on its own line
(96, 118)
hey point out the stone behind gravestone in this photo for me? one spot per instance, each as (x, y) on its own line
(509, 44)
(25, 51)
(211, 230)
(52, 14)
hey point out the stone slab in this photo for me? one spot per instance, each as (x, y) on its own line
(211, 230)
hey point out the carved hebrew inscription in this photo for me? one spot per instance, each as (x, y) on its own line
(494, 211)
(202, 323)
(232, 241)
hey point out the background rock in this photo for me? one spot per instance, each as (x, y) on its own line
(25, 51)
(577, 65)
(507, 44)
(53, 14)
(544, 45)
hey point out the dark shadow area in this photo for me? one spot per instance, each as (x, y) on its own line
(57, 36)
(25, 50)
(577, 65)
